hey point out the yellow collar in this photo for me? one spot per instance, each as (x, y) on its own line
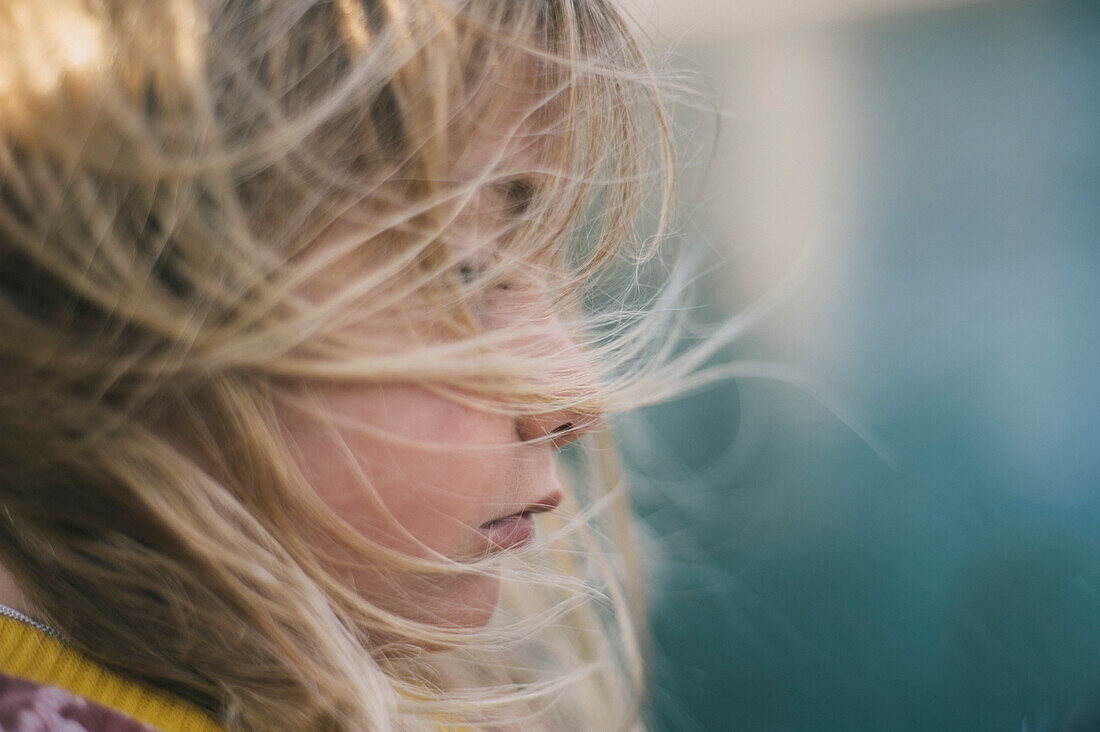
(31, 654)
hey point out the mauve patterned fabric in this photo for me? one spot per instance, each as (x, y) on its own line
(29, 707)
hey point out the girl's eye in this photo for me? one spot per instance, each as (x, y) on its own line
(470, 274)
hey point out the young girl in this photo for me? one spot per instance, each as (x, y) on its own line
(298, 302)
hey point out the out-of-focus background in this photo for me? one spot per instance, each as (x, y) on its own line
(936, 165)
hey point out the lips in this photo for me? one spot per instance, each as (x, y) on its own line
(510, 532)
(517, 529)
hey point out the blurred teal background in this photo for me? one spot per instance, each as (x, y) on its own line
(940, 163)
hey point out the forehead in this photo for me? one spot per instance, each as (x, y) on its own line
(511, 123)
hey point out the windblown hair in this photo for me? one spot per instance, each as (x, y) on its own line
(201, 202)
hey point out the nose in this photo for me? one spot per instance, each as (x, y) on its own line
(569, 385)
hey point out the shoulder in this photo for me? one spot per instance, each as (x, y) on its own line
(26, 706)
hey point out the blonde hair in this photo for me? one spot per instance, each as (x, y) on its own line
(199, 202)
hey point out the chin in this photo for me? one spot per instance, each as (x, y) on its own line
(463, 602)
(469, 605)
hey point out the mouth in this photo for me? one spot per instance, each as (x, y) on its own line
(517, 529)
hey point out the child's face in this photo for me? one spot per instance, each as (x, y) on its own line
(427, 475)
(444, 479)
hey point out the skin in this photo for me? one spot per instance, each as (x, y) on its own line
(11, 595)
(432, 501)
(413, 469)
(422, 473)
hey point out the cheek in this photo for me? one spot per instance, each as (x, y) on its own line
(419, 476)
(406, 468)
